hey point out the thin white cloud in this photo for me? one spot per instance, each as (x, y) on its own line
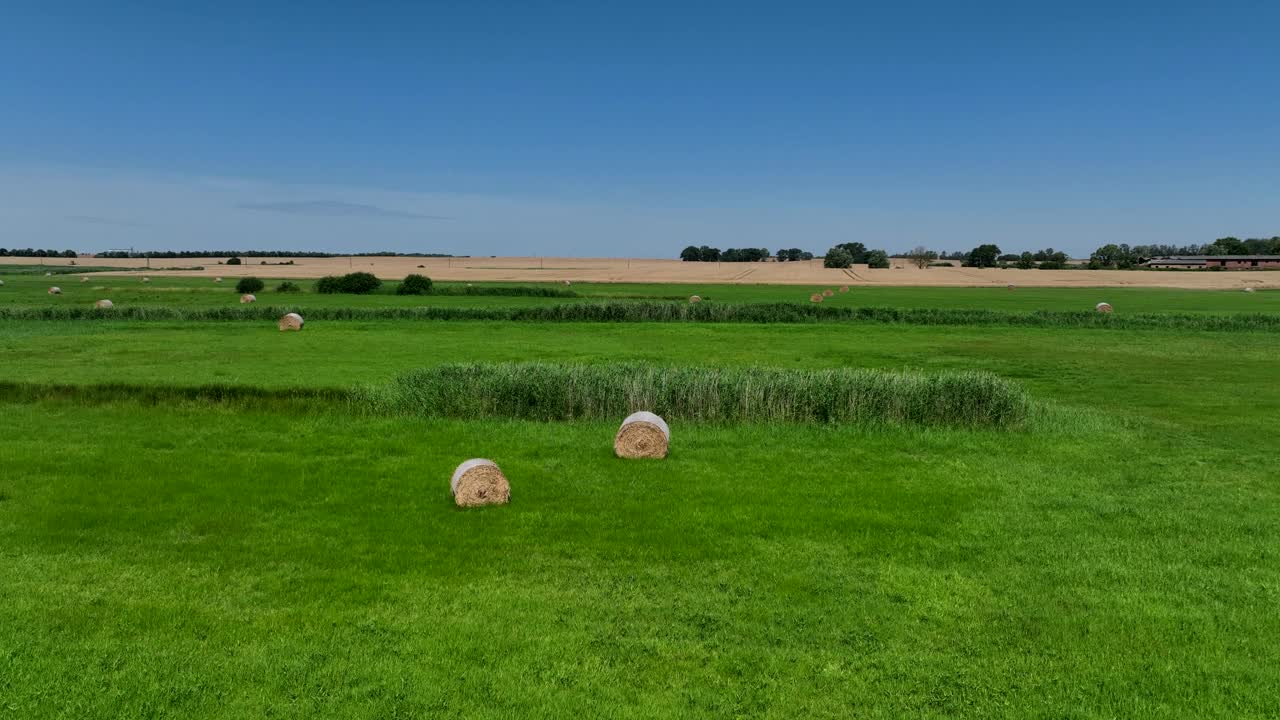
(336, 208)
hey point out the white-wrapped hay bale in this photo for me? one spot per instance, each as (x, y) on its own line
(247, 298)
(567, 283)
(146, 279)
(642, 435)
(479, 482)
(55, 290)
(828, 293)
(84, 279)
(1103, 307)
(48, 274)
(816, 297)
(695, 299)
(1, 283)
(291, 321)
(844, 288)
(217, 279)
(104, 304)
(1248, 289)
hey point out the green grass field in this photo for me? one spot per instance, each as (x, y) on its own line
(1114, 557)
(29, 290)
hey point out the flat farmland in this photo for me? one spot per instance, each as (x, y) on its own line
(202, 519)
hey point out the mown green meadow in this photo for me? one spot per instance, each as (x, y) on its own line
(125, 290)
(281, 552)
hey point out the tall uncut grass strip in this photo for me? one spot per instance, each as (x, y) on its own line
(541, 391)
(671, 312)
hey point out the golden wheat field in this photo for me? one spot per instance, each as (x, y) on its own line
(557, 269)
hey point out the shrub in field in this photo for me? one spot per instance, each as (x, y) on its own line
(837, 257)
(543, 391)
(414, 284)
(249, 285)
(356, 283)
(288, 287)
(878, 259)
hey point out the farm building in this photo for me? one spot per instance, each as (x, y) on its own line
(1202, 262)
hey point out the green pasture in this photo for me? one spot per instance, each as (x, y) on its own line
(1115, 557)
(27, 290)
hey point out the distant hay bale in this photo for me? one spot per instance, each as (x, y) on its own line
(217, 279)
(104, 304)
(695, 299)
(48, 274)
(1, 283)
(84, 278)
(55, 290)
(816, 297)
(247, 298)
(828, 292)
(566, 282)
(146, 279)
(844, 288)
(642, 435)
(1103, 307)
(1012, 286)
(479, 482)
(291, 321)
(1248, 289)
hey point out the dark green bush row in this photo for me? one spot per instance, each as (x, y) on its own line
(356, 283)
(249, 285)
(676, 312)
(414, 284)
(540, 391)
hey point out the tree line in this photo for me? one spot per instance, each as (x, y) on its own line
(1111, 256)
(180, 254)
(705, 253)
(32, 252)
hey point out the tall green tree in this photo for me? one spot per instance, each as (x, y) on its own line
(837, 257)
(920, 256)
(983, 256)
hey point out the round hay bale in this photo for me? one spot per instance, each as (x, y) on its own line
(1248, 289)
(1013, 287)
(84, 279)
(247, 298)
(479, 482)
(1, 283)
(217, 279)
(48, 274)
(844, 288)
(55, 290)
(146, 279)
(1103, 307)
(816, 297)
(642, 435)
(291, 321)
(104, 304)
(695, 299)
(566, 282)
(828, 293)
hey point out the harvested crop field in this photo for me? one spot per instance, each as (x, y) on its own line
(203, 516)
(623, 270)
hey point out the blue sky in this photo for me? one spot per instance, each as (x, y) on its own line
(597, 128)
